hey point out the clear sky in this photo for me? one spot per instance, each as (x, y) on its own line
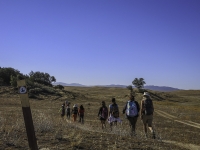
(98, 42)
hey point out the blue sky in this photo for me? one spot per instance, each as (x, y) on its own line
(98, 42)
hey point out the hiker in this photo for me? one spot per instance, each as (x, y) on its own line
(113, 114)
(74, 112)
(103, 114)
(81, 114)
(66, 102)
(146, 113)
(62, 109)
(132, 109)
(68, 110)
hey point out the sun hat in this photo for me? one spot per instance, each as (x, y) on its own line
(75, 105)
(146, 93)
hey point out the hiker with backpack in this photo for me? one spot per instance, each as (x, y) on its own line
(113, 114)
(74, 112)
(66, 102)
(132, 109)
(103, 114)
(68, 110)
(81, 112)
(62, 110)
(146, 113)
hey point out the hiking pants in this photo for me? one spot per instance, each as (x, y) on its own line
(81, 119)
(63, 113)
(74, 117)
(132, 122)
(68, 115)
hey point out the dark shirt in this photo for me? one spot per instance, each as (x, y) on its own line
(101, 109)
(63, 110)
(75, 110)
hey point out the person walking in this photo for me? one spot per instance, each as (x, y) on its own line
(103, 114)
(132, 110)
(146, 113)
(81, 112)
(113, 114)
(68, 110)
(62, 110)
(74, 112)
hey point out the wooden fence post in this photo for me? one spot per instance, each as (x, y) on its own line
(27, 114)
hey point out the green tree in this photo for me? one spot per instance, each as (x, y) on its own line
(6, 73)
(42, 78)
(138, 83)
(13, 81)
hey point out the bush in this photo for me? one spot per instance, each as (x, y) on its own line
(35, 90)
(59, 87)
(13, 81)
(44, 88)
(130, 88)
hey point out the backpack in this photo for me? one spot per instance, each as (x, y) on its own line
(131, 109)
(66, 103)
(148, 107)
(104, 112)
(75, 110)
(114, 110)
(68, 109)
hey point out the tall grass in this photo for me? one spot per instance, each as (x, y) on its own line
(43, 122)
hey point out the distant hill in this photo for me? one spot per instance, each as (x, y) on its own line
(66, 84)
(114, 85)
(150, 87)
(160, 88)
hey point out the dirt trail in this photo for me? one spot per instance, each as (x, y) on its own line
(166, 115)
(183, 145)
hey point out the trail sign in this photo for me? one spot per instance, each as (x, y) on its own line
(22, 90)
(23, 93)
(27, 114)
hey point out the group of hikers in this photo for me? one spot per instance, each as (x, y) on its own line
(65, 109)
(111, 114)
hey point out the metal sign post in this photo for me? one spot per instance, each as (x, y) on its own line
(27, 115)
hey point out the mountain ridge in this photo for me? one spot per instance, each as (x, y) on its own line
(150, 87)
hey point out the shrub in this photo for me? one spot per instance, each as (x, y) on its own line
(59, 87)
(35, 90)
(13, 81)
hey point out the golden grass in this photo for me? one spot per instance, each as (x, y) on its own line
(53, 132)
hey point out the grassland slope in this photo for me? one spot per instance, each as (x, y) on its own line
(55, 133)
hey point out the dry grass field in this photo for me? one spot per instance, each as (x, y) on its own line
(176, 121)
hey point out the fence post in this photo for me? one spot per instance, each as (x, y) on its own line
(27, 114)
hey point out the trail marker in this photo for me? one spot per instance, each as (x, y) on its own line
(22, 90)
(27, 114)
